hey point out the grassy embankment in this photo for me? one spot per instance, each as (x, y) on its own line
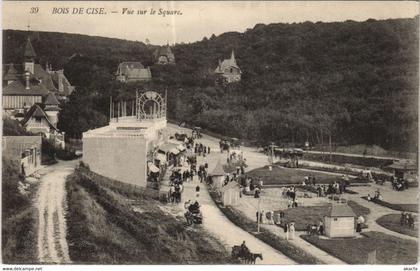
(389, 249)
(111, 223)
(302, 216)
(19, 218)
(392, 222)
(282, 245)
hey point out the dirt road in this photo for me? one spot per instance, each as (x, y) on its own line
(51, 205)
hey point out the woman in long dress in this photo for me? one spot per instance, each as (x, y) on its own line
(292, 230)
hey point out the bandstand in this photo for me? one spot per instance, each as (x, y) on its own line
(126, 149)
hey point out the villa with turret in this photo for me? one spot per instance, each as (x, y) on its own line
(32, 94)
(228, 70)
(164, 55)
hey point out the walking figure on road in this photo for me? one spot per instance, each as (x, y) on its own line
(197, 191)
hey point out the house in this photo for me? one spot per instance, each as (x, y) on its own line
(340, 221)
(25, 151)
(228, 70)
(164, 55)
(29, 83)
(37, 121)
(230, 194)
(218, 175)
(132, 72)
(42, 119)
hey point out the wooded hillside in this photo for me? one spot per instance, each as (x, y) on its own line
(355, 81)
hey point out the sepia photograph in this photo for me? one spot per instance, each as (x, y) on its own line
(232, 133)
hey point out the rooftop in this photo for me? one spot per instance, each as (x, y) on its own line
(341, 210)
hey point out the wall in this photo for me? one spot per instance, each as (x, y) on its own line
(14, 147)
(119, 158)
(230, 197)
(38, 127)
(16, 102)
(341, 227)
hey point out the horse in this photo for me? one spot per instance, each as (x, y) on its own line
(236, 252)
(246, 256)
(251, 258)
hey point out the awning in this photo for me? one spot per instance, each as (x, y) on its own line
(161, 157)
(152, 167)
(167, 147)
(174, 151)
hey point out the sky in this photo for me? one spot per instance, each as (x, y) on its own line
(194, 21)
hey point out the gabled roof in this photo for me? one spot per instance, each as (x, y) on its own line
(227, 64)
(124, 67)
(340, 210)
(165, 51)
(29, 50)
(67, 87)
(139, 74)
(218, 170)
(11, 73)
(37, 112)
(19, 88)
(45, 77)
(51, 100)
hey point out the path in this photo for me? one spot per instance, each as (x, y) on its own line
(215, 222)
(321, 255)
(51, 205)
(255, 159)
(376, 211)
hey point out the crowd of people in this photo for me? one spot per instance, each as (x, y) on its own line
(201, 149)
(314, 229)
(407, 219)
(399, 184)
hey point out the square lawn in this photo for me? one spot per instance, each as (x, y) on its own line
(302, 216)
(392, 222)
(280, 175)
(389, 249)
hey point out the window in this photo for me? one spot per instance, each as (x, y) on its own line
(38, 120)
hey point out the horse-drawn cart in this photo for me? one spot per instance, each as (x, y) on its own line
(238, 252)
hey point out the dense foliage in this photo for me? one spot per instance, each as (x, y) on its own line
(13, 128)
(351, 82)
(18, 217)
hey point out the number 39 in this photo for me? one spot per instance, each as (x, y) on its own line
(34, 10)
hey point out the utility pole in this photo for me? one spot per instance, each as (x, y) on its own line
(259, 214)
(272, 153)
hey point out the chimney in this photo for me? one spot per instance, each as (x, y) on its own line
(27, 79)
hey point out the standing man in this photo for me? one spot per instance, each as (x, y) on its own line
(321, 228)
